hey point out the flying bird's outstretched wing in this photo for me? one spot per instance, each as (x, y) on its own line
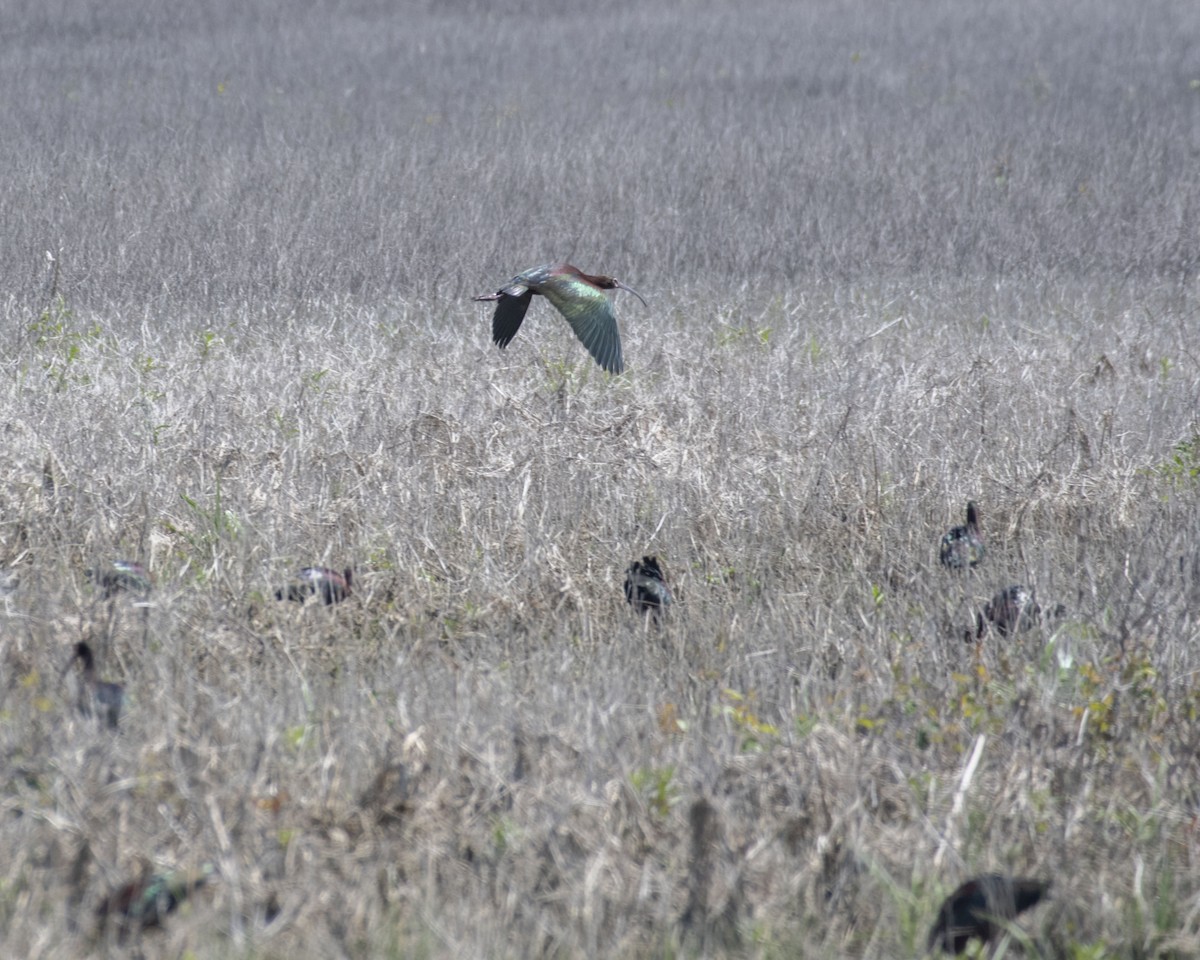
(510, 311)
(590, 313)
(578, 296)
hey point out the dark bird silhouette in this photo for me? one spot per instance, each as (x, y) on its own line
(646, 588)
(119, 576)
(331, 586)
(145, 902)
(578, 296)
(1014, 610)
(95, 695)
(1011, 610)
(962, 547)
(980, 907)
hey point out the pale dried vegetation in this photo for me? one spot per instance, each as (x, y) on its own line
(896, 256)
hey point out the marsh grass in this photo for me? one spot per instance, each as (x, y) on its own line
(895, 259)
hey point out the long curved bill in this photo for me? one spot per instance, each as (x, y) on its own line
(625, 286)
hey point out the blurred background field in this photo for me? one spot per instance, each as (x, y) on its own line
(896, 257)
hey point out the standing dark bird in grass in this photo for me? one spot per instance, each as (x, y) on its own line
(329, 585)
(95, 695)
(127, 576)
(1011, 610)
(962, 547)
(578, 296)
(145, 902)
(646, 588)
(1014, 610)
(980, 907)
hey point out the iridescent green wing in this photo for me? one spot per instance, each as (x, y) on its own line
(590, 313)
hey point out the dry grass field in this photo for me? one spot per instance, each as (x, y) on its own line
(897, 256)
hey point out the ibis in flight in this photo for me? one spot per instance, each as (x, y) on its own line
(580, 297)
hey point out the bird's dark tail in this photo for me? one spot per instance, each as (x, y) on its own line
(1027, 892)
